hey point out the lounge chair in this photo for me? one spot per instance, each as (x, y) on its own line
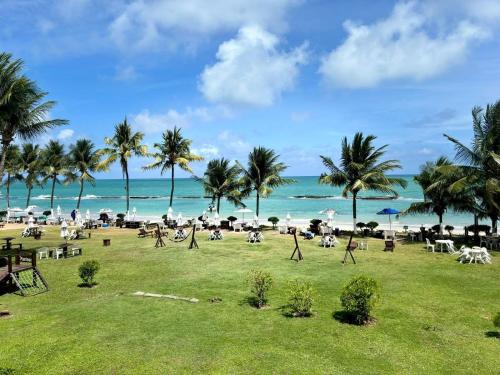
(390, 245)
(145, 233)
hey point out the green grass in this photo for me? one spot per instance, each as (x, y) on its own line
(433, 316)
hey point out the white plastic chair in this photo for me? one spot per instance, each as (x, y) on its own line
(58, 253)
(43, 252)
(237, 227)
(429, 246)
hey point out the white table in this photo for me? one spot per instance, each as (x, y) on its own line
(448, 243)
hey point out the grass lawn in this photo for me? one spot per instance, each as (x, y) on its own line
(434, 314)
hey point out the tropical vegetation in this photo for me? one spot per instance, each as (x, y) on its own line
(361, 169)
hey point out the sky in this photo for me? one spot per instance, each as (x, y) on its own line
(293, 75)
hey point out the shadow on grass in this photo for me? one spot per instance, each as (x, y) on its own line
(493, 334)
(345, 317)
(88, 285)
(287, 313)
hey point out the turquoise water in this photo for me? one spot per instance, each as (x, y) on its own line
(303, 200)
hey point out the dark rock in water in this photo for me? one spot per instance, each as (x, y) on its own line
(381, 198)
(312, 196)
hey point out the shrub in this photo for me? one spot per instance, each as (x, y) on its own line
(360, 225)
(315, 222)
(496, 320)
(359, 297)
(232, 219)
(372, 225)
(120, 216)
(7, 371)
(449, 229)
(45, 213)
(274, 220)
(260, 282)
(87, 272)
(3, 214)
(300, 297)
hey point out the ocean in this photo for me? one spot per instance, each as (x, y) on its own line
(303, 200)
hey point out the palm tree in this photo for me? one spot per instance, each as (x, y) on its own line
(173, 150)
(222, 180)
(122, 146)
(263, 174)
(437, 194)
(23, 113)
(31, 166)
(84, 160)
(360, 169)
(55, 164)
(480, 163)
(13, 168)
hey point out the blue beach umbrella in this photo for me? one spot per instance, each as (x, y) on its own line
(389, 211)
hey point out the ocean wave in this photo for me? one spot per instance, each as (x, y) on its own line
(316, 197)
(42, 197)
(410, 199)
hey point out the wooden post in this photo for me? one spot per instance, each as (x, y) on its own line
(193, 239)
(350, 247)
(297, 248)
(159, 240)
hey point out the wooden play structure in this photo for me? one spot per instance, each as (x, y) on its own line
(18, 271)
(351, 246)
(297, 248)
(193, 243)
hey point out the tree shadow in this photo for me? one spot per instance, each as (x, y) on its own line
(88, 285)
(345, 317)
(493, 334)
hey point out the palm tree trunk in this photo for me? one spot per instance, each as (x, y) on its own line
(218, 203)
(440, 224)
(172, 187)
(476, 231)
(494, 221)
(52, 192)
(127, 187)
(29, 196)
(7, 184)
(80, 195)
(258, 203)
(2, 161)
(355, 228)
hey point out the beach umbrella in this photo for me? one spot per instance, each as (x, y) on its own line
(31, 221)
(51, 213)
(170, 213)
(134, 211)
(243, 211)
(58, 210)
(204, 216)
(255, 221)
(127, 216)
(288, 219)
(87, 215)
(216, 219)
(180, 220)
(64, 229)
(329, 212)
(389, 211)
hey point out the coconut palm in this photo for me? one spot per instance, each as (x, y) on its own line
(55, 164)
(121, 147)
(360, 169)
(23, 111)
(173, 150)
(13, 169)
(31, 166)
(263, 174)
(9, 72)
(438, 197)
(84, 160)
(222, 180)
(480, 163)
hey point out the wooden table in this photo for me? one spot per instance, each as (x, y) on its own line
(8, 240)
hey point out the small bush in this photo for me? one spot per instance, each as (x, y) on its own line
(8, 371)
(274, 220)
(120, 216)
(372, 225)
(360, 225)
(359, 297)
(260, 282)
(232, 218)
(300, 297)
(496, 320)
(45, 213)
(315, 222)
(87, 272)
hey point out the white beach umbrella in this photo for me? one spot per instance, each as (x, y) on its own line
(64, 229)
(170, 213)
(58, 210)
(127, 216)
(51, 213)
(243, 211)
(180, 220)
(31, 221)
(216, 219)
(255, 221)
(204, 216)
(134, 211)
(87, 215)
(288, 219)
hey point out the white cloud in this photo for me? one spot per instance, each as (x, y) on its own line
(65, 134)
(425, 151)
(404, 45)
(207, 151)
(299, 116)
(250, 70)
(157, 23)
(152, 123)
(233, 143)
(125, 73)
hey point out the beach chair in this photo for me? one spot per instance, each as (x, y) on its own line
(26, 232)
(43, 252)
(390, 245)
(326, 241)
(237, 227)
(180, 234)
(283, 229)
(58, 253)
(428, 245)
(74, 251)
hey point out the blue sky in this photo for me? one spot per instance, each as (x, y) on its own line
(293, 75)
